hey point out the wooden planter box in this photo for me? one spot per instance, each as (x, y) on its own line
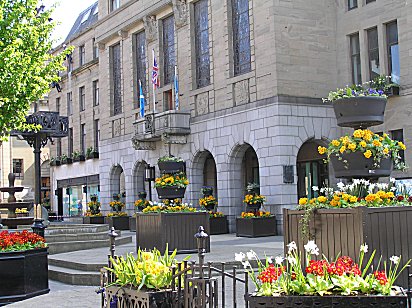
(327, 301)
(256, 227)
(23, 275)
(219, 225)
(94, 220)
(118, 222)
(342, 231)
(132, 224)
(128, 297)
(176, 229)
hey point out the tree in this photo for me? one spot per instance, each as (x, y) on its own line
(27, 67)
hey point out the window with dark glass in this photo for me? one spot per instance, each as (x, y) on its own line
(140, 58)
(58, 104)
(82, 99)
(114, 5)
(18, 168)
(70, 145)
(352, 4)
(202, 43)
(355, 58)
(96, 93)
(241, 36)
(59, 147)
(83, 138)
(168, 49)
(393, 51)
(115, 55)
(69, 103)
(373, 53)
(398, 136)
(96, 129)
(82, 55)
(369, 1)
(95, 49)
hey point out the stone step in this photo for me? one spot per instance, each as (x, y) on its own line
(61, 247)
(74, 229)
(68, 237)
(87, 267)
(74, 277)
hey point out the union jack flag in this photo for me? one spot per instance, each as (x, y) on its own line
(155, 73)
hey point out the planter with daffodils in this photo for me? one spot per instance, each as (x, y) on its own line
(23, 266)
(171, 186)
(256, 224)
(310, 279)
(218, 223)
(93, 214)
(171, 164)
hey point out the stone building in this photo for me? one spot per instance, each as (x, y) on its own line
(251, 77)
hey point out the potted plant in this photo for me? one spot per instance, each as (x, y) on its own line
(141, 204)
(171, 186)
(360, 106)
(171, 164)
(218, 223)
(253, 188)
(66, 160)
(255, 224)
(208, 202)
(285, 282)
(142, 194)
(148, 277)
(364, 154)
(78, 156)
(117, 219)
(207, 191)
(23, 266)
(254, 202)
(92, 153)
(93, 214)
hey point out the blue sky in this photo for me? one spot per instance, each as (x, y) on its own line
(66, 14)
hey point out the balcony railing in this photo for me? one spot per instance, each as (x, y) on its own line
(170, 126)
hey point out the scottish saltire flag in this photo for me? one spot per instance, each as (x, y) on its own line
(155, 72)
(176, 89)
(141, 99)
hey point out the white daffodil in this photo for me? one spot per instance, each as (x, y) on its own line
(395, 259)
(279, 260)
(250, 255)
(269, 259)
(340, 185)
(364, 248)
(312, 248)
(292, 246)
(392, 180)
(356, 181)
(239, 257)
(393, 188)
(315, 188)
(291, 260)
(245, 264)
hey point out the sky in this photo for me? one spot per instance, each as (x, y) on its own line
(66, 14)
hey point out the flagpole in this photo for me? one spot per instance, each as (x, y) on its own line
(154, 86)
(176, 89)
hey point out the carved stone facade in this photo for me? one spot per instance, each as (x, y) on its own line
(181, 12)
(150, 27)
(202, 103)
(241, 92)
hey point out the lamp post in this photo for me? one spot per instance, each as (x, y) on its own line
(201, 237)
(149, 176)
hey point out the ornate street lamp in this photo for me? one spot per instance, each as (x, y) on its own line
(201, 237)
(149, 176)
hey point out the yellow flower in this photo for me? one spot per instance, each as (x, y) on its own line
(322, 199)
(345, 197)
(303, 201)
(376, 143)
(352, 146)
(362, 144)
(370, 197)
(342, 149)
(368, 135)
(334, 203)
(312, 200)
(353, 199)
(335, 143)
(359, 133)
(401, 145)
(321, 150)
(385, 151)
(367, 154)
(381, 194)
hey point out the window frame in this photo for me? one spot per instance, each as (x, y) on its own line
(202, 68)
(371, 51)
(168, 49)
(116, 80)
(96, 133)
(140, 64)
(82, 55)
(20, 175)
(114, 5)
(82, 98)
(389, 44)
(354, 6)
(354, 56)
(83, 138)
(398, 135)
(96, 94)
(69, 103)
(70, 144)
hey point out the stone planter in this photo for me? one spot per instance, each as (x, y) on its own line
(326, 301)
(176, 229)
(129, 297)
(256, 227)
(118, 222)
(171, 167)
(342, 231)
(94, 220)
(219, 225)
(23, 275)
(359, 112)
(170, 192)
(132, 224)
(360, 167)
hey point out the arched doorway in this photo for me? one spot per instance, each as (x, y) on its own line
(311, 169)
(117, 181)
(250, 168)
(203, 174)
(139, 183)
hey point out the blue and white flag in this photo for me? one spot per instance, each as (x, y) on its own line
(176, 89)
(141, 99)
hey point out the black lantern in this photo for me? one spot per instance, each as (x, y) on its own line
(149, 176)
(201, 238)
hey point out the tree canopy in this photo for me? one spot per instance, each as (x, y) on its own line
(27, 67)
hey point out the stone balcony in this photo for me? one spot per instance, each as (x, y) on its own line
(172, 127)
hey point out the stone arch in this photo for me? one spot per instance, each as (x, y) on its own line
(310, 168)
(117, 180)
(138, 179)
(203, 173)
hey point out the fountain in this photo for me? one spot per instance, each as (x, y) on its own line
(12, 221)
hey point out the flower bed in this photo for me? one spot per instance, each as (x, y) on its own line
(256, 224)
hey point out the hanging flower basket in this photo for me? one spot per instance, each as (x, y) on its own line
(171, 167)
(360, 166)
(171, 192)
(360, 112)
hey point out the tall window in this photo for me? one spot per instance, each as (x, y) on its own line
(398, 136)
(95, 49)
(58, 104)
(140, 45)
(355, 58)
(82, 99)
(18, 168)
(96, 129)
(241, 36)
(168, 49)
(82, 55)
(70, 145)
(393, 51)
(373, 53)
(202, 43)
(96, 93)
(369, 1)
(59, 147)
(352, 4)
(116, 79)
(114, 5)
(69, 103)
(83, 138)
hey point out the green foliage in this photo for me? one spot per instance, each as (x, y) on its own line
(27, 68)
